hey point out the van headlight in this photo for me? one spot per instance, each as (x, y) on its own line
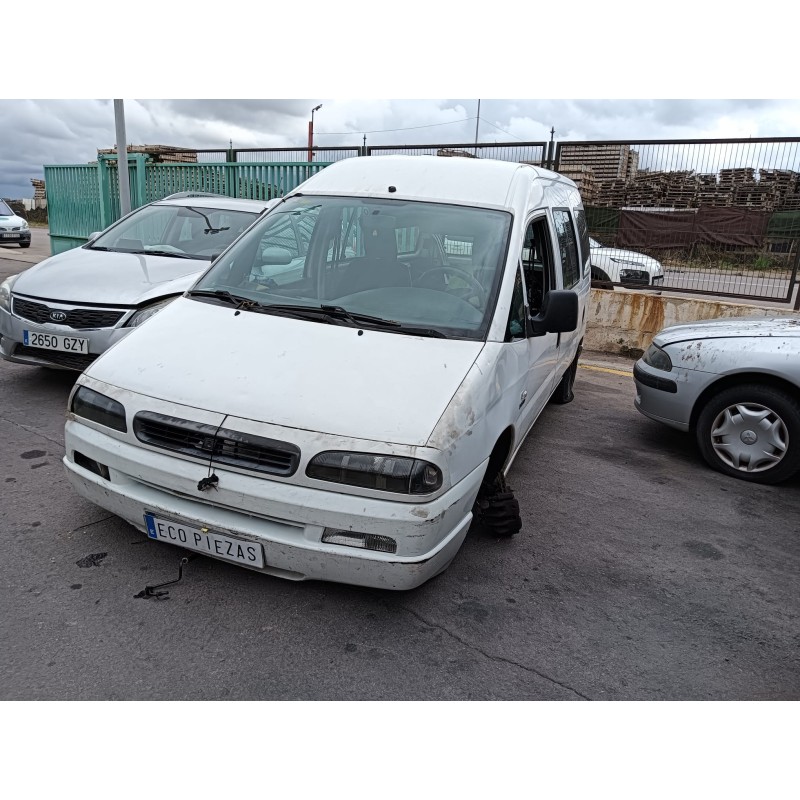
(369, 471)
(5, 292)
(657, 358)
(92, 405)
(143, 314)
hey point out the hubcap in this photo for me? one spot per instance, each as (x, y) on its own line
(749, 437)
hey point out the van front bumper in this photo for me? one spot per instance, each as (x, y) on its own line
(293, 518)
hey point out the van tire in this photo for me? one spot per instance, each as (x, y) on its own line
(497, 509)
(564, 391)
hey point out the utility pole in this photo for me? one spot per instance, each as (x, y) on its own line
(477, 124)
(311, 133)
(122, 159)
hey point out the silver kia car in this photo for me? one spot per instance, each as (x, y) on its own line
(734, 383)
(71, 307)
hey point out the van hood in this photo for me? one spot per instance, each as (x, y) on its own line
(729, 329)
(295, 373)
(94, 276)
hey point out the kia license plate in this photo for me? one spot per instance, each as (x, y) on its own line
(205, 541)
(56, 341)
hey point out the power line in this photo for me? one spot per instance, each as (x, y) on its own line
(394, 130)
(503, 131)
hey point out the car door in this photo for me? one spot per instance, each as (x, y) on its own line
(571, 271)
(539, 277)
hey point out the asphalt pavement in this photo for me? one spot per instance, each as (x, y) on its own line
(639, 574)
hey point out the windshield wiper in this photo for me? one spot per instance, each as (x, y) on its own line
(341, 313)
(210, 228)
(241, 303)
(168, 253)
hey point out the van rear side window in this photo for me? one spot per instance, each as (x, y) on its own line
(568, 245)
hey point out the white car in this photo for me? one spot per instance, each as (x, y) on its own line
(627, 267)
(69, 308)
(337, 417)
(13, 228)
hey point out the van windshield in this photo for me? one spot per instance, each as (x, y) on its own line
(427, 266)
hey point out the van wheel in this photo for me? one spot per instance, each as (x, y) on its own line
(751, 432)
(497, 508)
(563, 393)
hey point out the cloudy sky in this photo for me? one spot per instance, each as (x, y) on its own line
(38, 132)
(426, 53)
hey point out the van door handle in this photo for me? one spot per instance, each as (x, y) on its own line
(523, 398)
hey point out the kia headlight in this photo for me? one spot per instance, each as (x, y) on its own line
(5, 292)
(369, 471)
(143, 314)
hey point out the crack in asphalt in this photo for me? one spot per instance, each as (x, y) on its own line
(35, 432)
(90, 524)
(495, 658)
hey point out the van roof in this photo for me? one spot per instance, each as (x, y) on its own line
(473, 181)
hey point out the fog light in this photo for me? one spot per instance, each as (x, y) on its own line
(366, 541)
(89, 463)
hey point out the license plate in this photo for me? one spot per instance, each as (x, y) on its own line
(203, 540)
(11, 236)
(55, 341)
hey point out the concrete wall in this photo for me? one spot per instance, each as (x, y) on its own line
(625, 321)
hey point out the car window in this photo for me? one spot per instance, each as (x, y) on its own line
(5, 210)
(568, 246)
(537, 263)
(583, 239)
(515, 329)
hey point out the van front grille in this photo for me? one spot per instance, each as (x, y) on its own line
(223, 446)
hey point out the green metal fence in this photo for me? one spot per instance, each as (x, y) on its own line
(84, 198)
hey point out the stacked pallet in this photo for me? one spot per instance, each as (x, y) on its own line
(612, 194)
(446, 152)
(585, 180)
(647, 189)
(763, 198)
(710, 194)
(38, 189)
(158, 153)
(784, 182)
(608, 161)
(737, 178)
(681, 191)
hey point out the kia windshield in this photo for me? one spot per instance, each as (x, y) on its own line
(402, 266)
(175, 230)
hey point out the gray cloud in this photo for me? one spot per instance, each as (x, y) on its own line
(38, 132)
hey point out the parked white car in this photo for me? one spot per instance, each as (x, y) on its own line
(339, 419)
(13, 228)
(624, 266)
(735, 384)
(69, 308)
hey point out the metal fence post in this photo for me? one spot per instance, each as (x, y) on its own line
(104, 183)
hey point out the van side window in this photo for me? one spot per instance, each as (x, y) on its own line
(516, 318)
(583, 238)
(537, 263)
(570, 267)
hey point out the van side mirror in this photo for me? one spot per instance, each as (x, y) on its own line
(559, 313)
(93, 236)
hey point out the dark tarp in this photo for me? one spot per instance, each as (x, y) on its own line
(735, 227)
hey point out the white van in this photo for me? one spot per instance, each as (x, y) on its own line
(351, 380)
